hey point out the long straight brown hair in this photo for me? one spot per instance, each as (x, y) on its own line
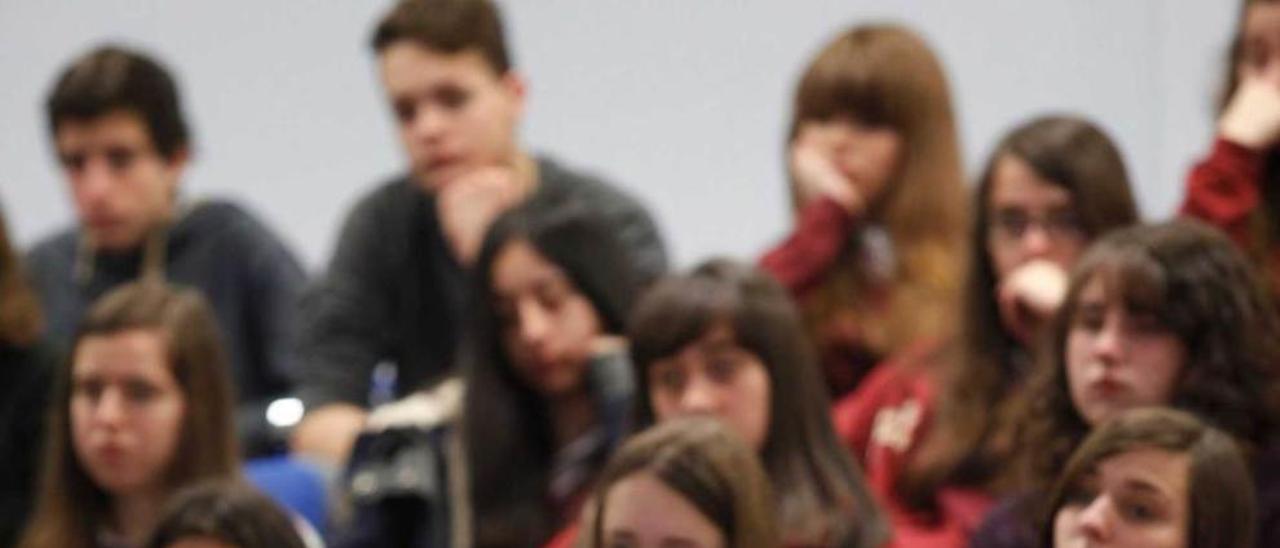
(71, 508)
(821, 495)
(886, 76)
(977, 382)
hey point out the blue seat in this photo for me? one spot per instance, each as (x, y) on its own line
(294, 484)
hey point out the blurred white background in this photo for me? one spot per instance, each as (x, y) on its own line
(683, 103)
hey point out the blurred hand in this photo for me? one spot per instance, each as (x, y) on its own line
(470, 203)
(328, 433)
(815, 168)
(1252, 117)
(1031, 295)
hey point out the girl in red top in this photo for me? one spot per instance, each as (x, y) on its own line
(922, 424)
(1237, 187)
(877, 188)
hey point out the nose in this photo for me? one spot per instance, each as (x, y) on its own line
(110, 408)
(700, 396)
(1036, 241)
(535, 324)
(1108, 343)
(428, 122)
(1095, 519)
(93, 182)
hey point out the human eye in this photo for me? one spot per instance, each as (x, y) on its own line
(73, 162)
(553, 295)
(453, 97)
(120, 158)
(140, 391)
(1090, 317)
(1012, 222)
(405, 110)
(1140, 510)
(667, 377)
(87, 388)
(1065, 223)
(722, 368)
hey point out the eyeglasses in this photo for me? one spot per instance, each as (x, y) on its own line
(1058, 225)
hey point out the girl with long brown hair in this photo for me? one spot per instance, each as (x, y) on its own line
(141, 409)
(505, 454)
(1237, 186)
(877, 190)
(726, 341)
(922, 423)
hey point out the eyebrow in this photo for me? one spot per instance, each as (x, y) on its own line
(678, 542)
(1144, 487)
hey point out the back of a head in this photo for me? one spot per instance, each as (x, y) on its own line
(112, 79)
(446, 26)
(708, 466)
(231, 513)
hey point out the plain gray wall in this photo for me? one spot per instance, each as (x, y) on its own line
(682, 102)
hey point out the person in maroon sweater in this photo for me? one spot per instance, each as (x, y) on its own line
(1237, 186)
(877, 188)
(921, 422)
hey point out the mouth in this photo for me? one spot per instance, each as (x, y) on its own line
(1107, 388)
(110, 453)
(102, 224)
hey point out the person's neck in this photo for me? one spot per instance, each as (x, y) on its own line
(572, 415)
(526, 170)
(133, 515)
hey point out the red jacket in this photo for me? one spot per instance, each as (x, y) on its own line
(1225, 189)
(882, 423)
(801, 263)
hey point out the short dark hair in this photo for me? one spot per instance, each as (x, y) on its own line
(112, 78)
(232, 512)
(449, 26)
(1219, 486)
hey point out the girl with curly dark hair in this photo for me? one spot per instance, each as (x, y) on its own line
(1161, 315)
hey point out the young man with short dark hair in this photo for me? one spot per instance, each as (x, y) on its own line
(118, 129)
(395, 289)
